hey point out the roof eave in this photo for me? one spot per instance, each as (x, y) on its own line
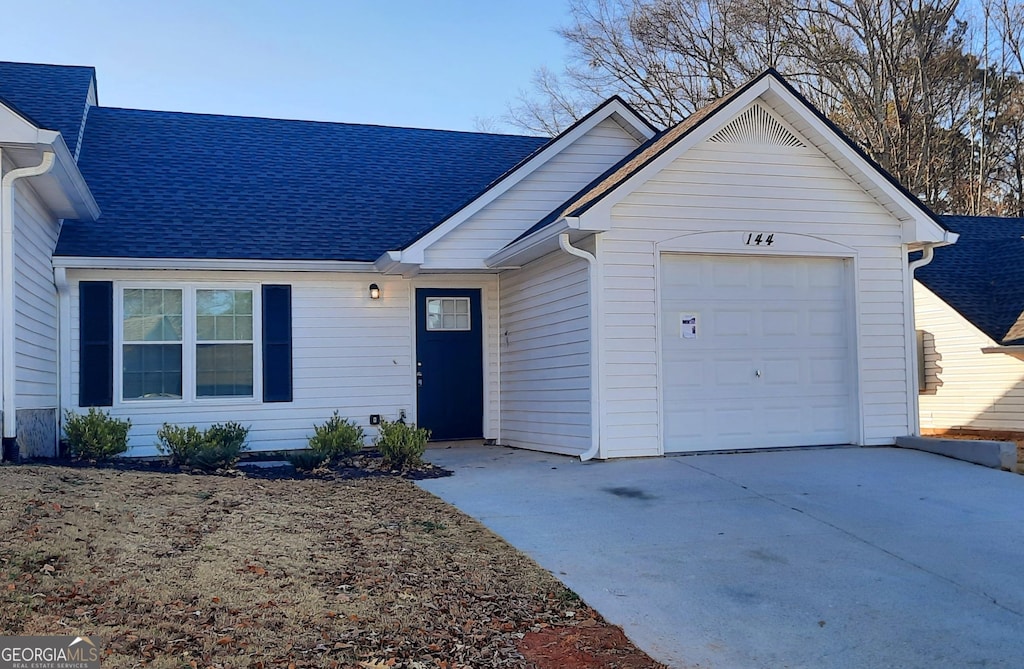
(63, 189)
(529, 248)
(83, 205)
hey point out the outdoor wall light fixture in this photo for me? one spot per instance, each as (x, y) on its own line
(374, 291)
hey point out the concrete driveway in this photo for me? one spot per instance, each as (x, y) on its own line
(862, 558)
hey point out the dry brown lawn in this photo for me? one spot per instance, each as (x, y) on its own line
(178, 570)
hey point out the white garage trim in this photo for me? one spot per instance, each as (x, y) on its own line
(727, 244)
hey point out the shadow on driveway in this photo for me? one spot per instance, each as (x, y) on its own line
(875, 557)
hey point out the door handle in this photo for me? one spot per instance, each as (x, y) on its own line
(419, 379)
(757, 373)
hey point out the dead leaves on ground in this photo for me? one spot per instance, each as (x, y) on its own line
(172, 570)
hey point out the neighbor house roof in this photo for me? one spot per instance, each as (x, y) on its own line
(53, 97)
(982, 275)
(180, 185)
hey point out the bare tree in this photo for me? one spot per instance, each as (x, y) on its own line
(898, 76)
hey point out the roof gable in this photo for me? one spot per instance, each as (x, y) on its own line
(177, 185)
(52, 97)
(920, 224)
(982, 276)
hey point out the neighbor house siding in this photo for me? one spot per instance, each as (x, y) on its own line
(545, 355)
(530, 200)
(350, 354)
(965, 388)
(35, 302)
(738, 187)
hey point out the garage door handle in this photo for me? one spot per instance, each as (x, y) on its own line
(757, 373)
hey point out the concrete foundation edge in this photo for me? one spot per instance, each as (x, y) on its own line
(995, 454)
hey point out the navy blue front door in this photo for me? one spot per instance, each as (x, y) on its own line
(449, 363)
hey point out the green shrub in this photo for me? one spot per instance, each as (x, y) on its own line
(95, 435)
(180, 443)
(401, 445)
(336, 438)
(306, 461)
(217, 447)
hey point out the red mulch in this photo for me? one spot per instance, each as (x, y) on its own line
(591, 644)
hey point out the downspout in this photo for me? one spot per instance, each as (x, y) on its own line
(60, 281)
(914, 408)
(595, 358)
(8, 403)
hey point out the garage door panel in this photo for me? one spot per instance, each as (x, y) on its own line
(782, 372)
(831, 371)
(787, 318)
(781, 323)
(825, 322)
(728, 323)
(736, 277)
(731, 373)
(781, 275)
(734, 421)
(783, 420)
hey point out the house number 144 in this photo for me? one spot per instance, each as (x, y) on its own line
(759, 239)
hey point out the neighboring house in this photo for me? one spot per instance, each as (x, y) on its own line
(737, 281)
(969, 304)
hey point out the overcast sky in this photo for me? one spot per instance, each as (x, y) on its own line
(434, 63)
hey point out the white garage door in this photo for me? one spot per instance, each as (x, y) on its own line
(755, 352)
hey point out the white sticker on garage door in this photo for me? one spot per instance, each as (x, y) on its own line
(688, 326)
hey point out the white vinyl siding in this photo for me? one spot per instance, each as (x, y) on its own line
(35, 302)
(545, 355)
(740, 187)
(350, 354)
(533, 198)
(965, 388)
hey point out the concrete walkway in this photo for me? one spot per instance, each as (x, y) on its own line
(861, 558)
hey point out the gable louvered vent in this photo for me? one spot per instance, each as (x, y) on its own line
(756, 126)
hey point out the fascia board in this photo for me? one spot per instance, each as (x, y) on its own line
(73, 183)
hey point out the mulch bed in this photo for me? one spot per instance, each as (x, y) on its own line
(264, 466)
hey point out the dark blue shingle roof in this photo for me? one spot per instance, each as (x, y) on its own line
(177, 185)
(981, 276)
(51, 96)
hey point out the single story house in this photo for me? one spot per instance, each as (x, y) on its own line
(969, 304)
(737, 281)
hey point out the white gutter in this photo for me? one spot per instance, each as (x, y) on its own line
(595, 338)
(229, 264)
(8, 403)
(928, 254)
(913, 406)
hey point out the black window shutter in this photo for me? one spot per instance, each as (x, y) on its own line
(277, 343)
(95, 343)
